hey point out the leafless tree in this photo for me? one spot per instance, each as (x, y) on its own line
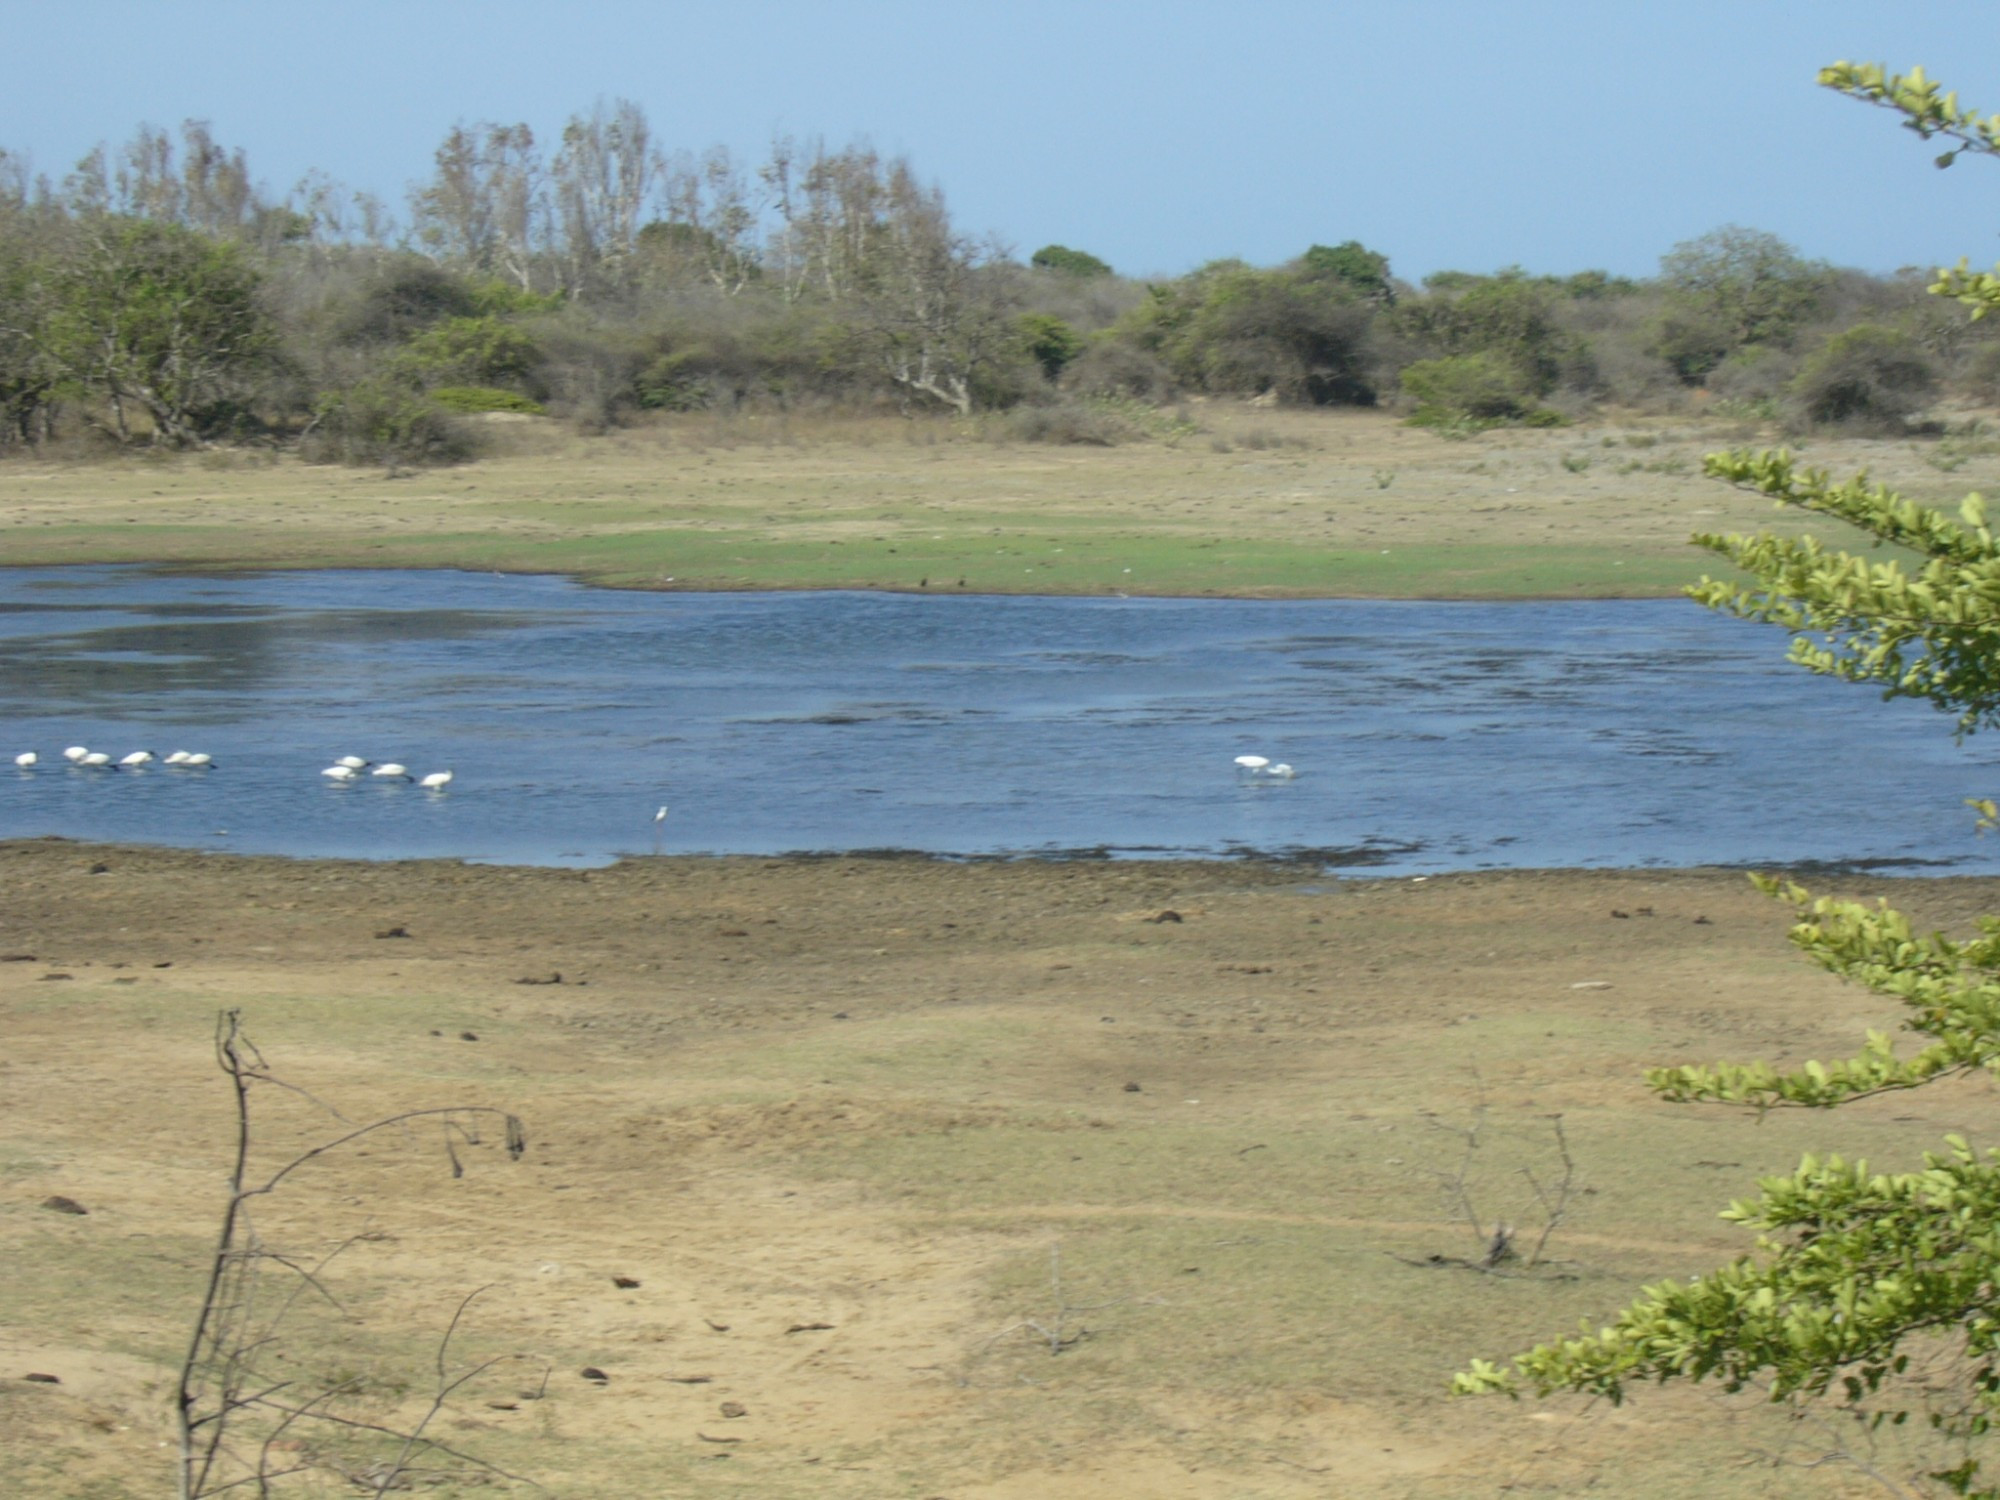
(602, 182)
(486, 205)
(232, 1407)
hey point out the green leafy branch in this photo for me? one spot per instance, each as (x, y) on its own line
(1855, 1263)
(1924, 105)
(1933, 633)
(1951, 991)
(1931, 112)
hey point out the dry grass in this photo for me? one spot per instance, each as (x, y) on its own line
(1256, 502)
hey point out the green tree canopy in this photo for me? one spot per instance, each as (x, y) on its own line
(1730, 289)
(1068, 262)
(152, 314)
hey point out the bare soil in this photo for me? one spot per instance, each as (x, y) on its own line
(866, 1134)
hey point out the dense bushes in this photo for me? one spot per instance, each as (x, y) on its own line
(1482, 389)
(1869, 376)
(381, 422)
(149, 309)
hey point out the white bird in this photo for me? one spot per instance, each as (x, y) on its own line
(391, 772)
(660, 816)
(340, 774)
(75, 754)
(95, 759)
(199, 760)
(1253, 763)
(174, 758)
(1281, 772)
(26, 759)
(352, 762)
(136, 759)
(437, 781)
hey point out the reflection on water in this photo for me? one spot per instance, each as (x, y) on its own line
(1427, 736)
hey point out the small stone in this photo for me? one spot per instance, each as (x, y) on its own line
(624, 1283)
(57, 1203)
(468, 1036)
(40, 1378)
(393, 932)
(591, 1372)
(733, 1409)
(1131, 1088)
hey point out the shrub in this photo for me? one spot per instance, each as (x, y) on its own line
(470, 351)
(484, 398)
(1112, 365)
(405, 297)
(1867, 377)
(1049, 341)
(1752, 381)
(379, 422)
(1481, 389)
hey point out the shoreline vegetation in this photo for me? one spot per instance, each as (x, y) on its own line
(1246, 501)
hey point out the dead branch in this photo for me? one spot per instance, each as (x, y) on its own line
(220, 1378)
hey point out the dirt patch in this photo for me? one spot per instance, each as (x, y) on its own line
(860, 1132)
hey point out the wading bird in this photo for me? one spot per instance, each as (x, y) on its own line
(437, 781)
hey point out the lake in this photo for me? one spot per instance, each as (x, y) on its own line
(1426, 737)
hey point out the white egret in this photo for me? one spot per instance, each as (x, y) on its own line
(391, 772)
(340, 775)
(1281, 772)
(1253, 763)
(136, 759)
(352, 762)
(75, 754)
(26, 759)
(174, 758)
(96, 760)
(199, 760)
(437, 781)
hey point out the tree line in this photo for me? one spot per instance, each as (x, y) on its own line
(158, 294)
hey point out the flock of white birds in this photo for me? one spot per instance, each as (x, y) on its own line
(347, 768)
(353, 768)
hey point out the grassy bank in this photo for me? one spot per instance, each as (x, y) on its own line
(1256, 503)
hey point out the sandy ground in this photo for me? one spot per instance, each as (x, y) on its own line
(834, 1117)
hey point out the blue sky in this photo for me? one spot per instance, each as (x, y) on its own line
(1554, 134)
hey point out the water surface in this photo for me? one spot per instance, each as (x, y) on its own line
(1427, 736)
